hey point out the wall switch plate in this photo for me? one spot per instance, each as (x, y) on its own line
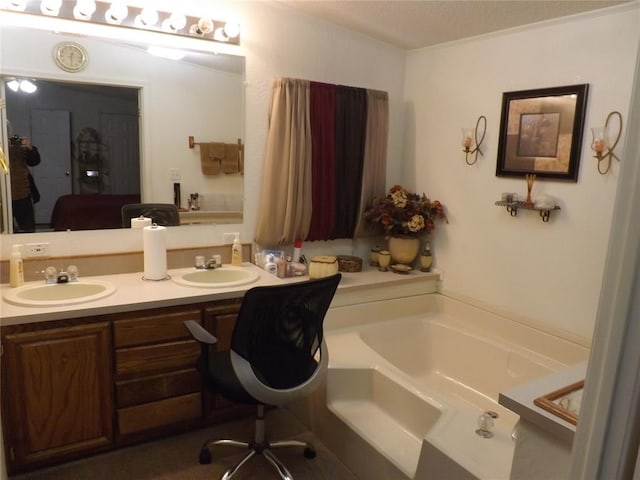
(174, 174)
(37, 249)
(228, 238)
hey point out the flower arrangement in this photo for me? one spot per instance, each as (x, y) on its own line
(404, 213)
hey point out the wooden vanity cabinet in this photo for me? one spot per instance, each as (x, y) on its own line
(57, 393)
(156, 383)
(74, 387)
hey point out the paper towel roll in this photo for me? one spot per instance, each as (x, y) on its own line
(155, 252)
(140, 222)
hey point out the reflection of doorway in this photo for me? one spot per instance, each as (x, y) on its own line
(51, 134)
(120, 135)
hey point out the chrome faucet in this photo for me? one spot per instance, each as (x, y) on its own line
(52, 275)
(214, 262)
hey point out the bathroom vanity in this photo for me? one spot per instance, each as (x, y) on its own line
(90, 377)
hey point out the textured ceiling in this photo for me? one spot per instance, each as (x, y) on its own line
(420, 23)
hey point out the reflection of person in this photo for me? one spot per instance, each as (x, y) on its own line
(21, 156)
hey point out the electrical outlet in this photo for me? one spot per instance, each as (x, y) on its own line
(228, 238)
(174, 174)
(38, 249)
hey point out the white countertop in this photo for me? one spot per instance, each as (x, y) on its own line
(133, 293)
(520, 400)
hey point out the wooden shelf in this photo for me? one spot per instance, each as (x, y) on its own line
(513, 207)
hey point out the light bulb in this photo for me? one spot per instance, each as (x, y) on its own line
(28, 87)
(147, 18)
(177, 21)
(232, 29)
(84, 9)
(50, 7)
(116, 13)
(18, 5)
(205, 25)
(14, 85)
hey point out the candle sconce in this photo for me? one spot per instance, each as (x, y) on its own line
(469, 136)
(600, 143)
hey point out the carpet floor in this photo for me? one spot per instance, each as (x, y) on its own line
(176, 458)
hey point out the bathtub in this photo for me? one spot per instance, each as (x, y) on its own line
(410, 377)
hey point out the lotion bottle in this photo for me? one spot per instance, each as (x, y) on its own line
(236, 251)
(16, 268)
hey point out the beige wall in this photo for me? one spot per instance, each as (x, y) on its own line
(550, 273)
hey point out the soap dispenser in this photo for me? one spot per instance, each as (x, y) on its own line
(16, 268)
(236, 251)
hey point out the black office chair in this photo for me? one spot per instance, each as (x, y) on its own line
(278, 355)
(165, 214)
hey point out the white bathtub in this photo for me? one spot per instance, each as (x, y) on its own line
(411, 377)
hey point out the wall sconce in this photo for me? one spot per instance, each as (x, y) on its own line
(118, 13)
(600, 143)
(469, 136)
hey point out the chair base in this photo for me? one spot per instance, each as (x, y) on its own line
(260, 446)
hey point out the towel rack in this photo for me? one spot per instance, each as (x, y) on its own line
(193, 143)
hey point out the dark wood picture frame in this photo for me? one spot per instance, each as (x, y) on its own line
(541, 132)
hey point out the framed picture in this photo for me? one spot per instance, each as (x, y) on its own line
(564, 402)
(541, 132)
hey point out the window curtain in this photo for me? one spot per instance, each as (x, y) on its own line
(374, 171)
(285, 200)
(325, 161)
(323, 139)
(351, 122)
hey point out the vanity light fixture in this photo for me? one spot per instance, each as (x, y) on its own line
(469, 136)
(600, 143)
(118, 13)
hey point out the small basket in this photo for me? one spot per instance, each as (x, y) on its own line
(349, 263)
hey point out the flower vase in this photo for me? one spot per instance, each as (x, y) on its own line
(404, 250)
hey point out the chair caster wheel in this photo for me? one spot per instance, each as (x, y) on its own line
(309, 452)
(204, 457)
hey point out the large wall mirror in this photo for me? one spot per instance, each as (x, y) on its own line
(120, 127)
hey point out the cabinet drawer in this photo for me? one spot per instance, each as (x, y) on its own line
(141, 330)
(157, 387)
(156, 358)
(186, 408)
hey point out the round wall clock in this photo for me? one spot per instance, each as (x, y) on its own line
(70, 56)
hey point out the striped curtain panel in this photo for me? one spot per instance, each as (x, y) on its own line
(325, 161)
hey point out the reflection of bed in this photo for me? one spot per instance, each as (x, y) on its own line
(87, 212)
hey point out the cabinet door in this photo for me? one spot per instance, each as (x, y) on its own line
(58, 396)
(220, 319)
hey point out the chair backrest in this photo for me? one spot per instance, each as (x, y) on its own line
(165, 214)
(279, 330)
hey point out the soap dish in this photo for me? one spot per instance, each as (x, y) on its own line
(400, 268)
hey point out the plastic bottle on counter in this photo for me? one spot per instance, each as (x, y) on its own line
(236, 251)
(297, 250)
(16, 267)
(270, 266)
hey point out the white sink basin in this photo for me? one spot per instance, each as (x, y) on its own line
(57, 294)
(227, 276)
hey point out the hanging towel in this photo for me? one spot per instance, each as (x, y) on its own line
(211, 156)
(231, 161)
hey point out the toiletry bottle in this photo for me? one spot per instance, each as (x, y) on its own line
(16, 270)
(297, 248)
(270, 266)
(236, 251)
